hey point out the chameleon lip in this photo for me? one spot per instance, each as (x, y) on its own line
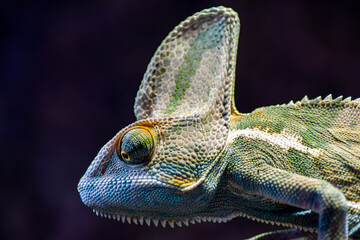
(187, 221)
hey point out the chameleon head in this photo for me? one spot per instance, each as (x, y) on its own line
(153, 168)
(156, 167)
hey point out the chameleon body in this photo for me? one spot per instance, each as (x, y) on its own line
(192, 157)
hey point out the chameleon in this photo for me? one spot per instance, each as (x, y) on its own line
(191, 156)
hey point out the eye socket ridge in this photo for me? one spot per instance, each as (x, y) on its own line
(136, 145)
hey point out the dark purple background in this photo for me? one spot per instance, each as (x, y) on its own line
(69, 76)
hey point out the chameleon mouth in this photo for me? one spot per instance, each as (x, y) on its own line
(187, 221)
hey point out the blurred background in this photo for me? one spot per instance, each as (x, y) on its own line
(69, 76)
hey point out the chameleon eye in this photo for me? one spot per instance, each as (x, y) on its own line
(136, 145)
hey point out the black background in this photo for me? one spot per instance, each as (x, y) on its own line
(69, 76)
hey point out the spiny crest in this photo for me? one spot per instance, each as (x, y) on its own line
(327, 101)
(187, 221)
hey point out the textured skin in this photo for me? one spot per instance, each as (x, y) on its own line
(192, 157)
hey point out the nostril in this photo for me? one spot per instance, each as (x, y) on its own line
(103, 169)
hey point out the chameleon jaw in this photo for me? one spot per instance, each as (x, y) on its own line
(140, 220)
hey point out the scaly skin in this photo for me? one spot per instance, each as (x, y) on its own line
(191, 156)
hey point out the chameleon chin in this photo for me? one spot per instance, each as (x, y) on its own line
(192, 157)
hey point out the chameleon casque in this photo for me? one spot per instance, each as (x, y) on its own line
(192, 157)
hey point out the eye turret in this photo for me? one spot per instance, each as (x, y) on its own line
(136, 145)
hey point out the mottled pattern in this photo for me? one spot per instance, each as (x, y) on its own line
(289, 150)
(191, 157)
(324, 137)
